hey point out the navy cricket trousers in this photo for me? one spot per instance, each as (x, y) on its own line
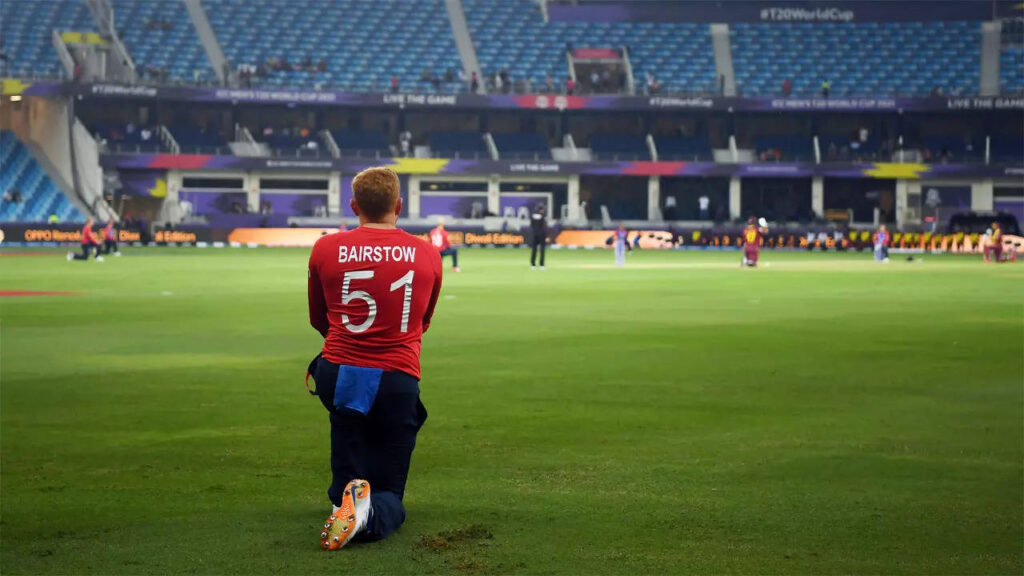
(376, 447)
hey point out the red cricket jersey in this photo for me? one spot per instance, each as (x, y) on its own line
(108, 232)
(752, 236)
(87, 236)
(439, 238)
(372, 293)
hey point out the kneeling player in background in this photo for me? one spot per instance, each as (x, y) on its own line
(751, 242)
(89, 244)
(882, 244)
(110, 239)
(439, 238)
(372, 293)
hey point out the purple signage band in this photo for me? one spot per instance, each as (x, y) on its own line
(440, 166)
(523, 101)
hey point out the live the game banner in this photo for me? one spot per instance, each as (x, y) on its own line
(430, 166)
(560, 102)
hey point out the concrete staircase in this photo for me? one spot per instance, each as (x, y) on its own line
(209, 40)
(991, 44)
(463, 41)
(723, 56)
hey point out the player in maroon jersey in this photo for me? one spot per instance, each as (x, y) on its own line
(372, 292)
(752, 235)
(89, 243)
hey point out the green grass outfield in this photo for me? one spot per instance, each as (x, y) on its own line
(823, 415)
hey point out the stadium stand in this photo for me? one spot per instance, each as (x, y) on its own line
(457, 145)
(29, 194)
(683, 148)
(129, 139)
(353, 143)
(864, 59)
(196, 140)
(1007, 148)
(362, 43)
(308, 146)
(521, 145)
(26, 27)
(512, 34)
(618, 147)
(783, 148)
(160, 35)
(1011, 69)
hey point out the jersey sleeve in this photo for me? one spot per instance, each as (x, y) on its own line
(435, 291)
(315, 291)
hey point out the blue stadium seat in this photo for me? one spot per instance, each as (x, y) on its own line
(618, 147)
(868, 59)
(40, 196)
(195, 140)
(352, 143)
(177, 48)
(139, 139)
(294, 145)
(679, 148)
(1011, 70)
(458, 145)
(363, 43)
(787, 148)
(26, 28)
(1007, 148)
(512, 34)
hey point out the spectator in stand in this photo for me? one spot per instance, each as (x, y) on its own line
(405, 143)
(435, 81)
(497, 82)
(394, 84)
(654, 85)
(570, 86)
(321, 66)
(826, 88)
(787, 87)
(595, 81)
(474, 83)
(503, 74)
(704, 205)
(549, 84)
(13, 196)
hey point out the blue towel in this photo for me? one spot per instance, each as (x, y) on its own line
(356, 388)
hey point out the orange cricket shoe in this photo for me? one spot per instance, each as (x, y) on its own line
(348, 519)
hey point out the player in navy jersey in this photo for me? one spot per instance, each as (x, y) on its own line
(372, 293)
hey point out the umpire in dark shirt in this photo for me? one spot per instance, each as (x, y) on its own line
(539, 238)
